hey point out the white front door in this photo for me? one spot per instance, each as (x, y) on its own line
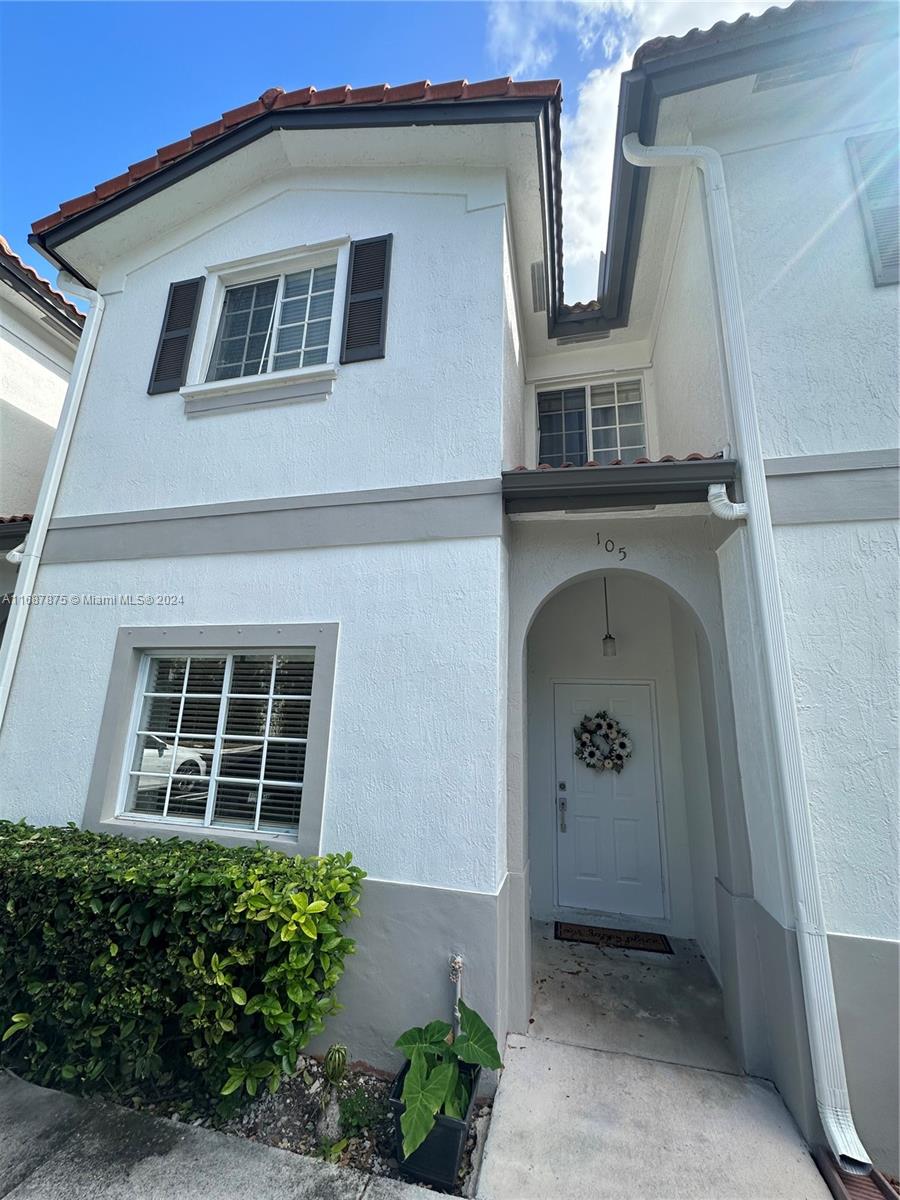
(607, 828)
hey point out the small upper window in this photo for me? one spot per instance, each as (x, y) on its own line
(276, 324)
(602, 423)
(221, 740)
(874, 159)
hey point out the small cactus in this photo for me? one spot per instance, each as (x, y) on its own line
(335, 1063)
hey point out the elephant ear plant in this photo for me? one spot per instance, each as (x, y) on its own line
(434, 1082)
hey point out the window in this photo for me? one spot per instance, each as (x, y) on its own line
(221, 739)
(601, 423)
(275, 324)
(874, 159)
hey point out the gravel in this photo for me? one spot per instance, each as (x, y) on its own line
(287, 1119)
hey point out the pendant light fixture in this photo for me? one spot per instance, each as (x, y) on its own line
(609, 642)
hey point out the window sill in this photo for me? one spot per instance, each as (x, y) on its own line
(135, 826)
(285, 387)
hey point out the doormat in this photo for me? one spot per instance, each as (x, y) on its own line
(621, 939)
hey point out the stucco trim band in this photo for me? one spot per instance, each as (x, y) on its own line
(132, 643)
(817, 488)
(409, 514)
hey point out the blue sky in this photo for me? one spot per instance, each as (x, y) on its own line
(87, 88)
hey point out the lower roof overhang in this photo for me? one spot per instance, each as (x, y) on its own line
(639, 485)
(12, 533)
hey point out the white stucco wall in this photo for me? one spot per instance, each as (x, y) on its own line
(696, 782)
(514, 415)
(430, 411)
(754, 736)
(824, 339)
(690, 401)
(839, 586)
(34, 373)
(415, 777)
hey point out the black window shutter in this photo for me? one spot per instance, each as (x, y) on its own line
(874, 161)
(365, 313)
(174, 349)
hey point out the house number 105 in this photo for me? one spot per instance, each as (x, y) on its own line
(611, 548)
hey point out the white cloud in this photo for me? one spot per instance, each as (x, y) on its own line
(524, 39)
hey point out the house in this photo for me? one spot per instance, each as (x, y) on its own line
(351, 499)
(39, 329)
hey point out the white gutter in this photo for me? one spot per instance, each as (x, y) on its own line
(29, 556)
(829, 1077)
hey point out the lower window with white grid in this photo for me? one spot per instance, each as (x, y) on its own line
(220, 740)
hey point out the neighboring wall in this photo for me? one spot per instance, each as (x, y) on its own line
(34, 371)
(824, 346)
(824, 350)
(824, 339)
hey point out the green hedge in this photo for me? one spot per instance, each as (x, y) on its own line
(184, 970)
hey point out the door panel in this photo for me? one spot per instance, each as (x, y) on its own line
(608, 856)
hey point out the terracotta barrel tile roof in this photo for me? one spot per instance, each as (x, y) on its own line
(276, 98)
(694, 456)
(775, 16)
(41, 285)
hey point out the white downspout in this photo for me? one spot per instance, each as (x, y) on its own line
(830, 1079)
(722, 507)
(29, 555)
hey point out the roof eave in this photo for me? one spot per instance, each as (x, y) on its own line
(64, 322)
(829, 29)
(508, 110)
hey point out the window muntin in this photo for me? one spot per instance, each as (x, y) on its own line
(276, 324)
(602, 423)
(221, 740)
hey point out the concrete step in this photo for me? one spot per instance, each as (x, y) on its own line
(571, 1123)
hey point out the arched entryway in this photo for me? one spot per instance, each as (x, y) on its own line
(634, 850)
(686, 861)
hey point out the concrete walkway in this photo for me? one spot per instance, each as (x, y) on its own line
(626, 1087)
(57, 1147)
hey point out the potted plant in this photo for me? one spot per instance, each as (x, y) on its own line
(433, 1097)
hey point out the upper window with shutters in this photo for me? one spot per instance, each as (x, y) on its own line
(274, 328)
(277, 324)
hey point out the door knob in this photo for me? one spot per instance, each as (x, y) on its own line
(562, 804)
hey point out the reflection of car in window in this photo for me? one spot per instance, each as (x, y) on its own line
(239, 761)
(157, 759)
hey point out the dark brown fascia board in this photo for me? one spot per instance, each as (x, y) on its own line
(472, 112)
(55, 313)
(838, 26)
(13, 532)
(614, 487)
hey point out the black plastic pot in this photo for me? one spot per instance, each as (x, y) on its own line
(437, 1159)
